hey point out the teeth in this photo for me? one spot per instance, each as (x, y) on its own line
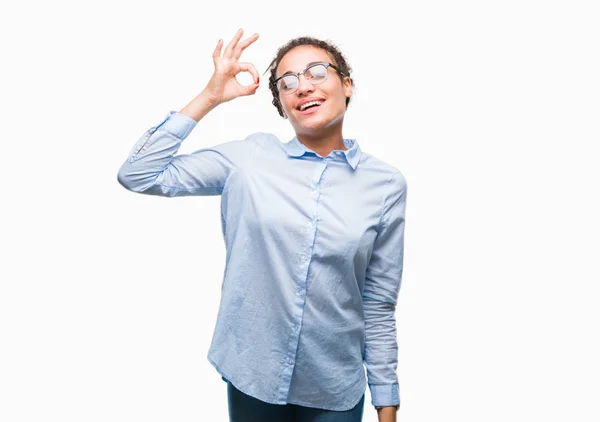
(303, 106)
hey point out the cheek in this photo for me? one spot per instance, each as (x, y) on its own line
(340, 104)
(337, 94)
(286, 105)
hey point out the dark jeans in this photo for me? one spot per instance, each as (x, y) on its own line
(245, 408)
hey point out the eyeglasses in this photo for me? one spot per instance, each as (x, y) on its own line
(315, 74)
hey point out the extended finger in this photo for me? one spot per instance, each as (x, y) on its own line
(249, 67)
(233, 43)
(237, 52)
(217, 53)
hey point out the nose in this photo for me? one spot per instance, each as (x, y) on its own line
(304, 85)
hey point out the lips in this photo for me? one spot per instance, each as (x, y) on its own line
(312, 109)
(309, 100)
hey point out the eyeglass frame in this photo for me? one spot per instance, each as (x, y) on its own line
(297, 75)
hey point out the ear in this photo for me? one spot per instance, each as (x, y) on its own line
(347, 83)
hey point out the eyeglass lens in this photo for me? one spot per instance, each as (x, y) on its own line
(315, 74)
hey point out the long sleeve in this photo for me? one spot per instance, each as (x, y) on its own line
(153, 167)
(382, 286)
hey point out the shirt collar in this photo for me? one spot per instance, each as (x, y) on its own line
(295, 148)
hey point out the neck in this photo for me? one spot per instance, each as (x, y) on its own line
(323, 142)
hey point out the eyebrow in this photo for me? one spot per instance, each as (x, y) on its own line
(309, 64)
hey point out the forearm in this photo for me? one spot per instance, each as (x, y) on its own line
(200, 106)
(381, 352)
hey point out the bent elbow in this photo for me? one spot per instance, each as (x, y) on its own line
(131, 180)
(124, 179)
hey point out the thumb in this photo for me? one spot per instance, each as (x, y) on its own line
(250, 89)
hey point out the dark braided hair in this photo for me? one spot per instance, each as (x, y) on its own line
(338, 59)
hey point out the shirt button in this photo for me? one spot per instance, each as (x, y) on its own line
(290, 361)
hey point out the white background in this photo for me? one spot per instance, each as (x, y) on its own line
(108, 299)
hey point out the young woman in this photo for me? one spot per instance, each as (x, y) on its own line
(314, 234)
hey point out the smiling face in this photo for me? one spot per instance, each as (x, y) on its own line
(332, 94)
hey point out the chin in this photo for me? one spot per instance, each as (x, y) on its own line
(310, 128)
(316, 125)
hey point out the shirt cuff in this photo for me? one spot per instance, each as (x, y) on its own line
(385, 394)
(177, 124)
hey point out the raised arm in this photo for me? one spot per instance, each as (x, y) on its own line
(153, 167)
